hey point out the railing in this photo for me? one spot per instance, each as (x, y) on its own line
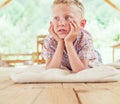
(20, 58)
(35, 57)
(117, 46)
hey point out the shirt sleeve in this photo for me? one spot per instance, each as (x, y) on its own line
(87, 49)
(48, 49)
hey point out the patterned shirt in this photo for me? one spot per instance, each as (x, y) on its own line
(83, 45)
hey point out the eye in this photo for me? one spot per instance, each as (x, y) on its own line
(68, 18)
(56, 18)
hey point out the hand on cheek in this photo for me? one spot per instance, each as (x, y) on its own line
(52, 32)
(74, 31)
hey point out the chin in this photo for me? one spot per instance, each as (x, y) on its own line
(62, 36)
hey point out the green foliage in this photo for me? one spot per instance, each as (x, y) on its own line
(21, 21)
(117, 38)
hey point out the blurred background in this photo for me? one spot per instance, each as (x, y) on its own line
(21, 21)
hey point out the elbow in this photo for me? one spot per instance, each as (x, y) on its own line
(51, 67)
(75, 70)
(47, 67)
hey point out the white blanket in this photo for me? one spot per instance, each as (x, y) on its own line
(40, 74)
(115, 65)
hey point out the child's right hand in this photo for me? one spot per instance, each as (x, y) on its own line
(51, 30)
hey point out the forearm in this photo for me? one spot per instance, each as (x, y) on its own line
(57, 58)
(75, 62)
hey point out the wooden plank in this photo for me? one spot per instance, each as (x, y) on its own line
(8, 83)
(5, 80)
(33, 86)
(116, 90)
(18, 94)
(99, 93)
(112, 87)
(81, 86)
(21, 92)
(98, 97)
(90, 86)
(109, 85)
(5, 84)
(57, 96)
(46, 85)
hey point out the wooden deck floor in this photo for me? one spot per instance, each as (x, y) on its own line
(57, 93)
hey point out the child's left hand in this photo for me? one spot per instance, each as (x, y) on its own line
(75, 29)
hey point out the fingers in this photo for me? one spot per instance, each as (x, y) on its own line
(74, 24)
(51, 28)
(74, 27)
(52, 32)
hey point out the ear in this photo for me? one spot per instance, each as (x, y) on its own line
(82, 23)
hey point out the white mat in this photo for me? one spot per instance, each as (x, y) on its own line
(40, 74)
(115, 65)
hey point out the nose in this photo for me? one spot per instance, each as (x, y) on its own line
(62, 22)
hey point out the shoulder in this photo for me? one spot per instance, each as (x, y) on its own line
(49, 40)
(49, 37)
(83, 38)
(84, 35)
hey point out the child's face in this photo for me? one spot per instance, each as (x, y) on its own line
(62, 16)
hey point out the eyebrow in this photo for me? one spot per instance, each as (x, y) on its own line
(55, 16)
(69, 15)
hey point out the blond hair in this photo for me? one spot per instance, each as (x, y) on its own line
(71, 2)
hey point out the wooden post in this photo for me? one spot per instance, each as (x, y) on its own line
(112, 4)
(113, 54)
(117, 46)
(5, 3)
(40, 41)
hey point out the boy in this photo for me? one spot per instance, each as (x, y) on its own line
(68, 44)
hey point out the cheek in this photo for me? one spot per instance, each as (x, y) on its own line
(68, 24)
(55, 25)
